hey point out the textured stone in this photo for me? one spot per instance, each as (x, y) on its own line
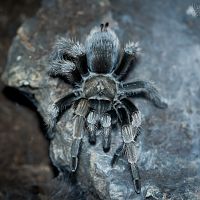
(169, 146)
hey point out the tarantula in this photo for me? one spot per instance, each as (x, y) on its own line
(100, 98)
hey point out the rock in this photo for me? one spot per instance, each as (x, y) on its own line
(169, 146)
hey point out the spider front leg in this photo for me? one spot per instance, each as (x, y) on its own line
(135, 88)
(129, 130)
(68, 60)
(66, 70)
(78, 129)
(129, 54)
(56, 108)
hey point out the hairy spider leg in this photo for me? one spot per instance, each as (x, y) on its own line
(136, 123)
(129, 54)
(132, 109)
(144, 88)
(128, 132)
(106, 124)
(81, 112)
(56, 108)
(92, 126)
(65, 70)
(68, 61)
(82, 65)
(118, 153)
(135, 116)
(114, 116)
(121, 110)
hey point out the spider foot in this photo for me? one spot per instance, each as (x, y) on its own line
(136, 178)
(137, 186)
(161, 104)
(117, 155)
(74, 154)
(106, 144)
(92, 138)
(114, 160)
(74, 164)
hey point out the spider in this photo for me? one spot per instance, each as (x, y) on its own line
(100, 98)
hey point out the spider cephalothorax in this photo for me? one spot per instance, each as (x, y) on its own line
(100, 98)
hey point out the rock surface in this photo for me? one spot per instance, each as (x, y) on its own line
(24, 161)
(169, 146)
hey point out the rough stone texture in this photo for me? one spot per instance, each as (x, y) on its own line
(169, 147)
(24, 161)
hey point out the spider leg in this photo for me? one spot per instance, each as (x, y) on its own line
(83, 68)
(78, 129)
(130, 125)
(113, 115)
(56, 108)
(135, 116)
(106, 125)
(136, 120)
(118, 153)
(92, 125)
(135, 88)
(66, 70)
(128, 135)
(129, 54)
(68, 60)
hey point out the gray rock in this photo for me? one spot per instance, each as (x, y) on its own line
(169, 146)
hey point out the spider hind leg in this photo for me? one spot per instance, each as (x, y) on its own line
(130, 151)
(78, 130)
(130, 121)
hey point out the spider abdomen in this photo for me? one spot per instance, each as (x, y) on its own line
(102, 50)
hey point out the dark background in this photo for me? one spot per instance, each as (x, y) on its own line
(24, 161)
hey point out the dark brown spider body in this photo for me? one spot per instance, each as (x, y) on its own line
(100, 87)
(96, 71)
